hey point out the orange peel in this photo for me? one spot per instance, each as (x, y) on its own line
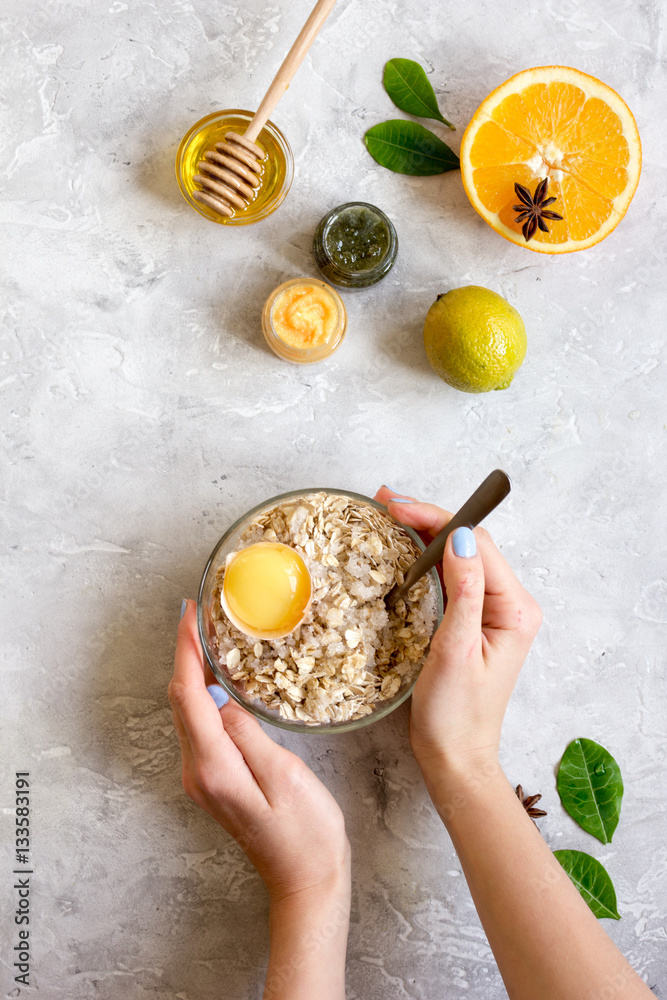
(560, 123)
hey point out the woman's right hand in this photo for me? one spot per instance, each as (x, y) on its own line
(476, 654)
(539, 927)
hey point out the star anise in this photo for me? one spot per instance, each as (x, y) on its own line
(533, 209)
(529, 804)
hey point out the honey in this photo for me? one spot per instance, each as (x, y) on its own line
(266, 590)
(277, 166)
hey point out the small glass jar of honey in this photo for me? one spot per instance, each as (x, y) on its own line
(277, 165)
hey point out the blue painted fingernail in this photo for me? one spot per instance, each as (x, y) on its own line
(218, 694)
(400, 500)
(184, 605)
(463, 543)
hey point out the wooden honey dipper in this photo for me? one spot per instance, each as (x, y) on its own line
(230, 173)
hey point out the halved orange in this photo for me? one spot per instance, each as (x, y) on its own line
(559, 123)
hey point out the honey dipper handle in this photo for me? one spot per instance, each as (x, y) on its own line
(292, 61)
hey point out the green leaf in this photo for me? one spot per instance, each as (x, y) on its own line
(592, 880)
(591, 788)
(409, 88)
(409, 148)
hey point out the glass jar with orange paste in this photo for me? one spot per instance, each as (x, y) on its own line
(304, 320)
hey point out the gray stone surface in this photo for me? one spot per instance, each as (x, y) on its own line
(142, 414)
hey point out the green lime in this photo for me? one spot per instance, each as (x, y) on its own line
(474, 339)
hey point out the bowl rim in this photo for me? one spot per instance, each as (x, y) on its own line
(297, 726)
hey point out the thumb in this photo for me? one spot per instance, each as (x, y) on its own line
(463, 576)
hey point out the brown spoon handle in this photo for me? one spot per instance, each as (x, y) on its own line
(486, 498)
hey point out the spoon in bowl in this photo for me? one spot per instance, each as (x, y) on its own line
(486, 498)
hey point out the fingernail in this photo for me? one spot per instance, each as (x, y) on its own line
(399, 500)
(218, 694)
(464, 543)
(184, 605)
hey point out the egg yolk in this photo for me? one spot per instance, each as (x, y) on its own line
(304, 316)
(267, 587)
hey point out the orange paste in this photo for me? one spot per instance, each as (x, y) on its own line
(304, 316)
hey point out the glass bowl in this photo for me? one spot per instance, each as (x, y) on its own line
(256, 707)
(278, 166)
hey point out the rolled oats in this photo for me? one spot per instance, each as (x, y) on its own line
(350, 653)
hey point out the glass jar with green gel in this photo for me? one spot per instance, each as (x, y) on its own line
(355, 245)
